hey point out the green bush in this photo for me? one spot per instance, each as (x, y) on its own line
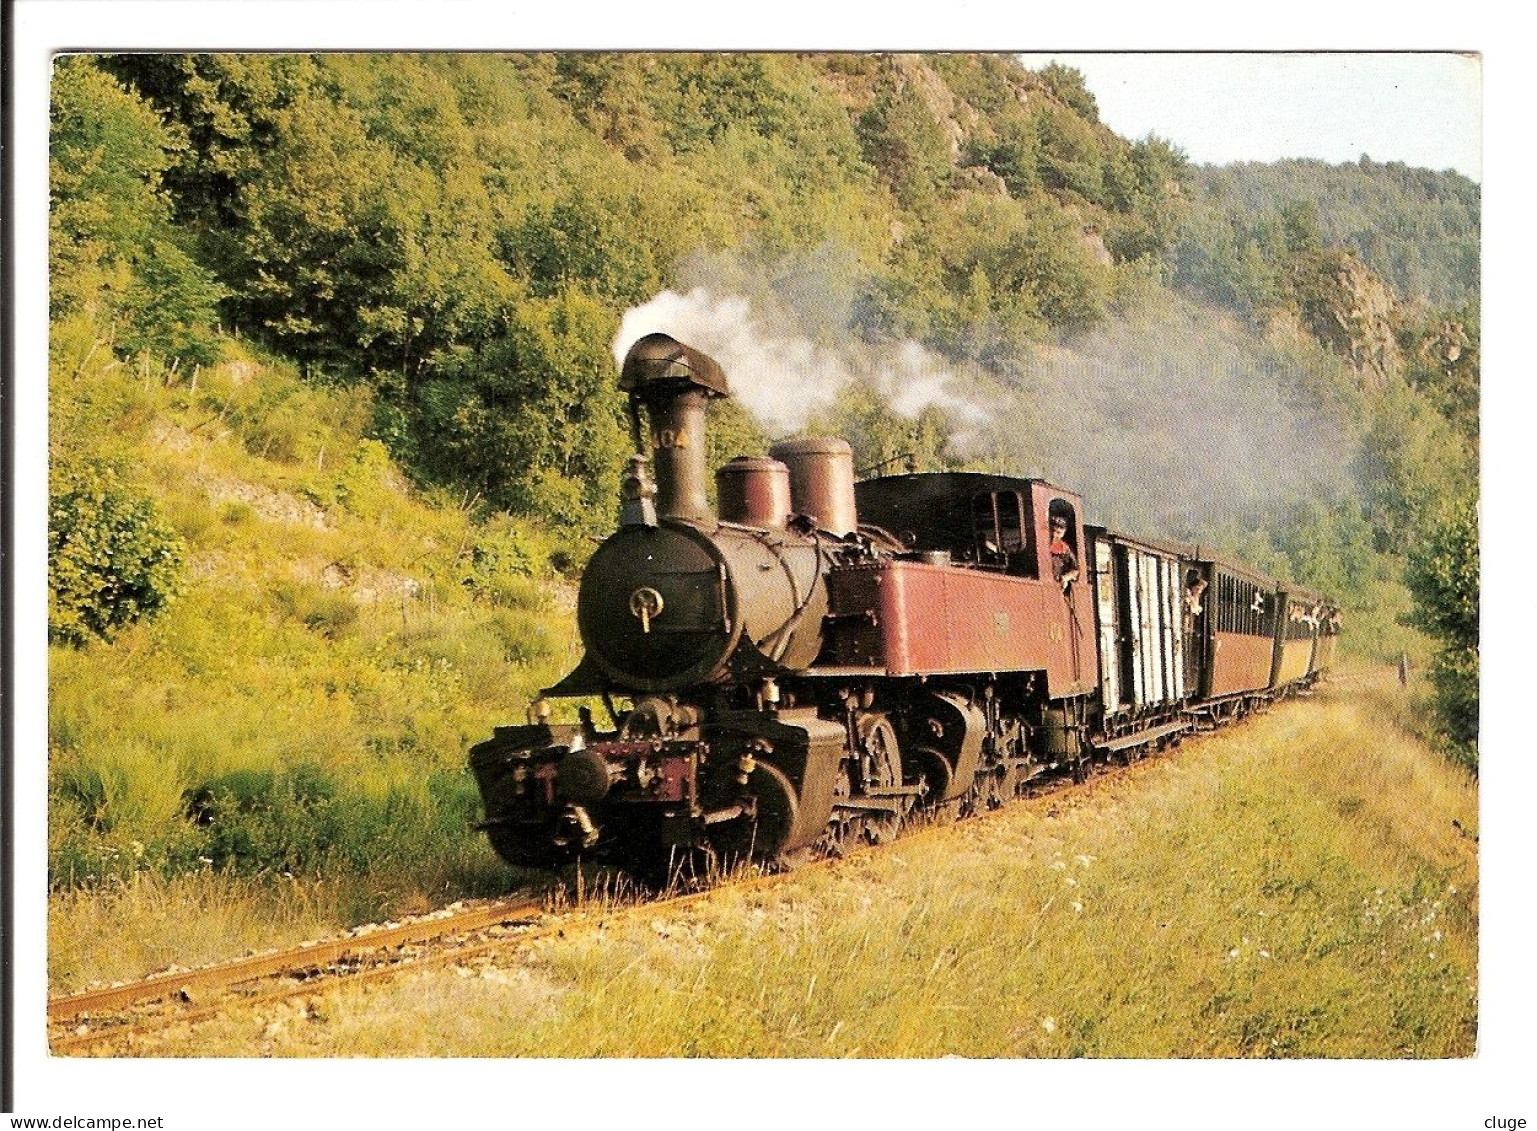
(1443, 576)
(112, 559)
(1454, 699)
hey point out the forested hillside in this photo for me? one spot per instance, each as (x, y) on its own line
(333, 369)
(1417, 230)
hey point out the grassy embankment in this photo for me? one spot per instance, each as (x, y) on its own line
(283, 751)
(1294, 887)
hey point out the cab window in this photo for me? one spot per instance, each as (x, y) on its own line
(998, 523)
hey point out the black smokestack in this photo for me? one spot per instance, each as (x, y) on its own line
(674, 381)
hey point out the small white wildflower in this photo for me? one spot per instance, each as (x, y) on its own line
(1070, 882)
(1233, 953)
(1077, 907)
(1059, 865)
(1049, 1024)
(1264, 954)
(1085, 861)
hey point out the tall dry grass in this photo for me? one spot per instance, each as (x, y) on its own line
(1291, 888)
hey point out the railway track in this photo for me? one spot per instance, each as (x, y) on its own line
(123, 1019)
(80, 1021)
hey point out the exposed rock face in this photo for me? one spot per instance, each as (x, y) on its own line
(273, 506)
(955, 117)
(1444, 344)
(1353, 313)
(979, 179)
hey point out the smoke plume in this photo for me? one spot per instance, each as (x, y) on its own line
(1174, 421)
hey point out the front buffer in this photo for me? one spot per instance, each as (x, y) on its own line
(662, 791)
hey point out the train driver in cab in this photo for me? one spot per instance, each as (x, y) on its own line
(1064, 563)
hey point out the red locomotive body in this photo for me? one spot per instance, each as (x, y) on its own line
(979, 590)
(912, 618)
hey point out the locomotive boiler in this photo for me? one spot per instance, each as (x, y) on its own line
(805, 667)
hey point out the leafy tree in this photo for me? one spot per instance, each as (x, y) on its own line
(1417, 229)
(1071, 155)
(613, 94)
(112, 560)
(1325, 544)
(586, 240)
(1444, 365)
(114, 254)
(1039, 270)
(904, 141)
(879, 434)
(1408, 460)
(1069, 85)
(531, 419)
(732, 432)
(323, 248)
(1013, 153)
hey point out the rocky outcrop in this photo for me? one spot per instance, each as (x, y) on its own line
(1352, 312)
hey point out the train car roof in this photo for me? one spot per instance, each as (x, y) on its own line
(1238, 569)
(978, 480)
(1183, 550)
(1192, 552)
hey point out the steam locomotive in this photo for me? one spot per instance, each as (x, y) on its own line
(805, 669)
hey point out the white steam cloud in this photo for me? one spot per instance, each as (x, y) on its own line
(1174, 420)
(782, 377)
(1182, 420)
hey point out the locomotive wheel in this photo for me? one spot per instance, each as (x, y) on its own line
(778, 809)
(881, 761)
(937, 776)
(522, 850)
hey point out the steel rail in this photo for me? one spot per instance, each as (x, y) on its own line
(299, 958)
